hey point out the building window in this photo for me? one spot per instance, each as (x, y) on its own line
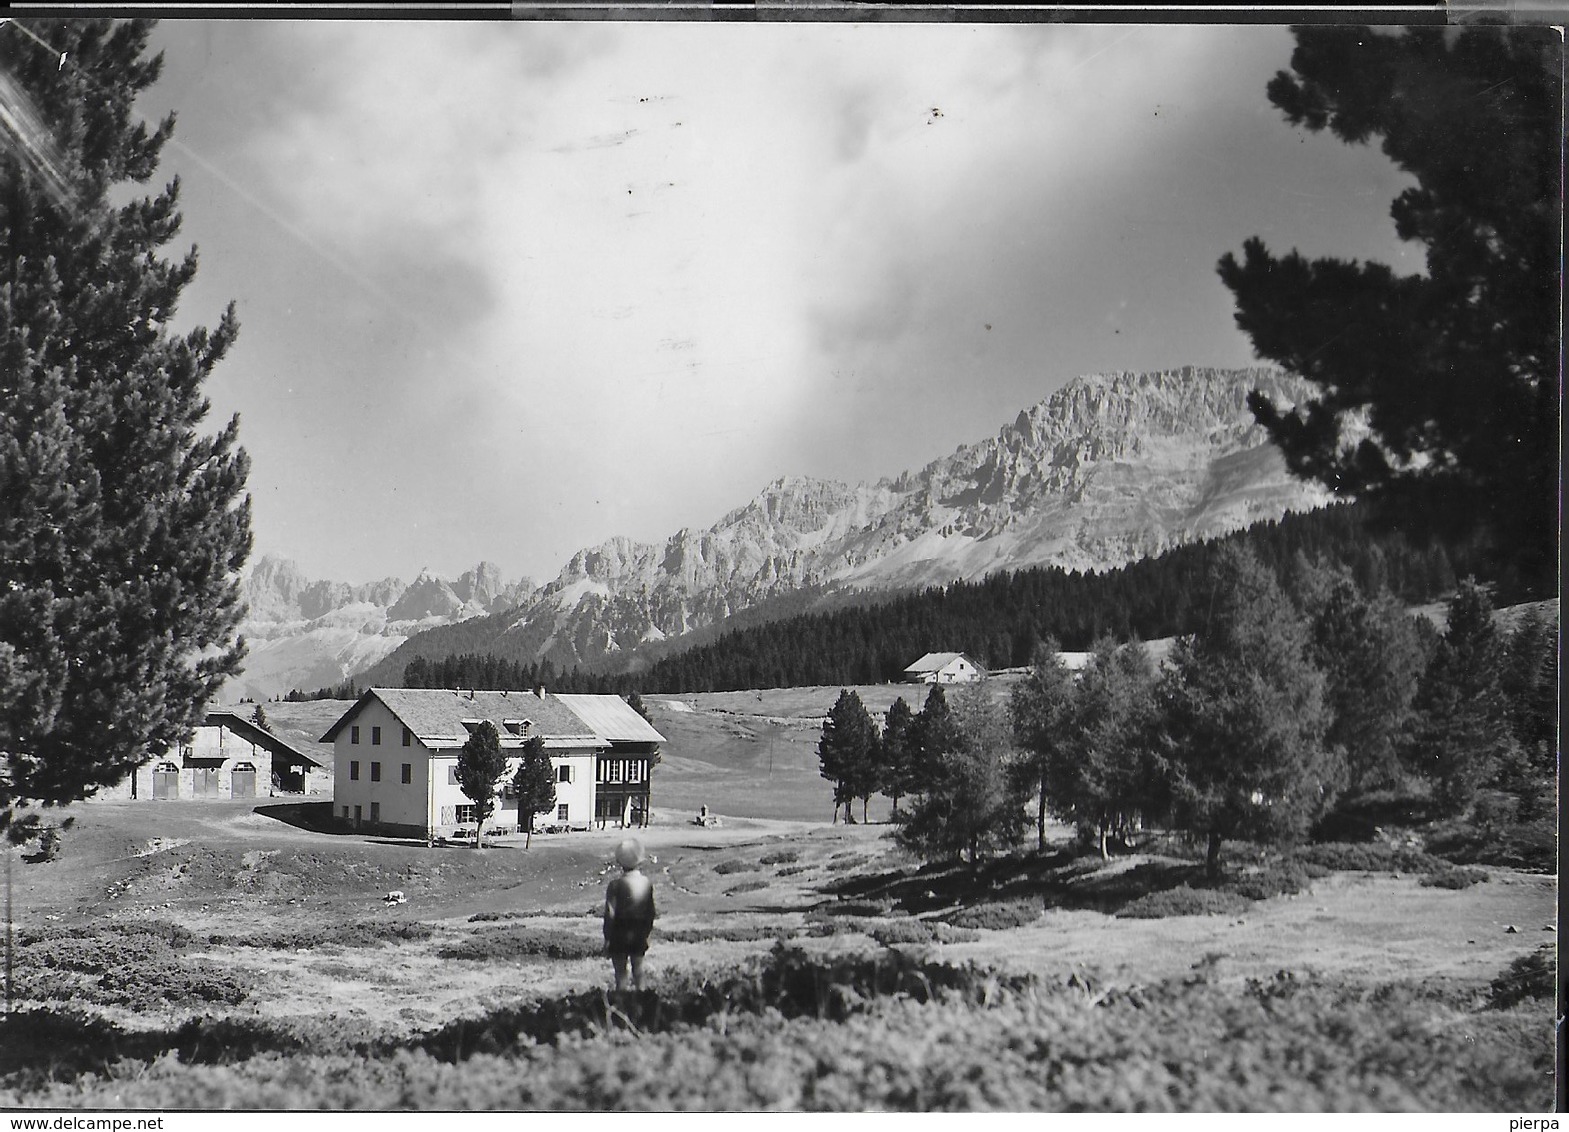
(375, 736)
(452, 775)
(561, 812)
(408, 773)
(354, 734)
(354, 770)
(345, 812)
(356, 815)
(375, 811)
(375, 772)
(615, 770)
(564, 772)
(464, 814)
(408, 737)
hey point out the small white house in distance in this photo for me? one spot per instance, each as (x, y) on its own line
(944, 668)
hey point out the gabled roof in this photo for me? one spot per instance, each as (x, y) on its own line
(936, 661)
(611, 718)
(437, 715)
(247, 729)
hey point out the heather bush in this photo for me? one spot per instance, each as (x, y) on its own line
(782, 857)
(1528, 977)
(778, 1035)
(733, 933)
(524, 943)
(1371, 856)
(1457, 876)
(746, 886)
(736, 865)
(877, 907)
(354, 933)
(1286, 878)
(997, 916)
(1184, 901)
(794, 870)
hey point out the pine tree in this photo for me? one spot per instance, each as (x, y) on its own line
(1114, 717)
(1462, 736)
(1371, 657)
(1041, 708)
(1241, 751)
(535, 785)
(122, 527)
(847, 751)
(898, 747)
(481, 764)
(967, 804)
(1452, 373)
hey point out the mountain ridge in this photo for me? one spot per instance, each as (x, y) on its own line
(1110, 468)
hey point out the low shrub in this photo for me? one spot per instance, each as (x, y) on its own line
(730, 933)
(997, 916)
(736, 865)
(794, 870)
(1184, 901)
(874, 907)
(1528, 977)
(1457, 876)
(1285, 878)
(902, 931)
(1370, 856)
(354, 933)
(746, 886)
(524, 943)
(921, 931)
(783, 857)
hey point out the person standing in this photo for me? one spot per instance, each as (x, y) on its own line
(629, 914)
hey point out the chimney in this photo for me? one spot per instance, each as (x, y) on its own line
(540, 691)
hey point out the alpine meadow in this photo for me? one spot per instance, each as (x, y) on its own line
(992, 566)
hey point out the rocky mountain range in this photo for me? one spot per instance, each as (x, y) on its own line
(312, 634)
(1111, 468)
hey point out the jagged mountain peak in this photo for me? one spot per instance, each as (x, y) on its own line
(1111, 467)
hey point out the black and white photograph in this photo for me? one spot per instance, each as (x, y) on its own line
(798, 559)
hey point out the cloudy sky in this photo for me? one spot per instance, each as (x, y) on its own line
(507, 290)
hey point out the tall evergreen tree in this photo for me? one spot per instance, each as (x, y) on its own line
(1531, 685)
(1371, 657)
(1041, 708)
(481, 763)
(968, 804)
(1451, 374)
(899, 752)
(535, 785)
(122, 527)
(1243, 718)
(1462, 735)
(1114, 719)
(847, 751)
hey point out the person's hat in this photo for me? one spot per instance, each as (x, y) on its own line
(629, 854)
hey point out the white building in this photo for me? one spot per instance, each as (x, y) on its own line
(227, 756)
(396, 758)
(944, 668)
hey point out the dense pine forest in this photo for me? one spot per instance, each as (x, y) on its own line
(997, 620)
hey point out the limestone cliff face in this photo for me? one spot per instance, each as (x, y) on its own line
(305, 633)
(1111, 468)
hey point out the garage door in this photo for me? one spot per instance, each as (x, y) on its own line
(205, 781)
(244, 781)
(166, 782)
